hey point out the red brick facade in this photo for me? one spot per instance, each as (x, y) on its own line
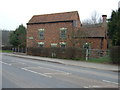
(51, 34)
(52, 23)
(95, 43)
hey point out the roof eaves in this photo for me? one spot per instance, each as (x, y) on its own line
(49, 22)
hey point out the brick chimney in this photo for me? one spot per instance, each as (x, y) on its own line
(104, 24)
(104, 20)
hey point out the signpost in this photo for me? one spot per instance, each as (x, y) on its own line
(86, 46)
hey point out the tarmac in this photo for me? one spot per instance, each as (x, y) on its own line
(108, 67)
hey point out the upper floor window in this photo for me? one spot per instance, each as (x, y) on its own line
(41, 33)
(30, 38)
(63, 32)
(74, 23)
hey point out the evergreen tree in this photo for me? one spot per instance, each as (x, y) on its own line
(18, 37)
(114, 28)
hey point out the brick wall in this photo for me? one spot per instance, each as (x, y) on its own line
(51, 33)
(95, 43)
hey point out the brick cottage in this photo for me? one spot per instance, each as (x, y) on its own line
(65, 30)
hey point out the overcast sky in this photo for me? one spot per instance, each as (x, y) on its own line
(16, 12)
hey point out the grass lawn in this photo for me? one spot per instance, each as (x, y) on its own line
(6, 51)
(105, 59)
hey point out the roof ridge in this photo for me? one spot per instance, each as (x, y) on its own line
(56, 13)
(63, 16)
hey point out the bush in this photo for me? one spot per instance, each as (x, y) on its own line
(7, 48)
(69, 53)
(65, 53)
(115, 54)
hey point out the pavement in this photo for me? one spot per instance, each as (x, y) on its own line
(69, 62)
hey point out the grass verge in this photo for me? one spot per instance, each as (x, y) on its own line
(6, 51)
(105, 60)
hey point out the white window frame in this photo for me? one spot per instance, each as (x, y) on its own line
(41, 43)
(63, 43)
(54, 44)
(41, 30)
(30, 38)
(63, 29)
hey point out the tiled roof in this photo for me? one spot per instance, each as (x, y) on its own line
(91, 32)
(66, 16)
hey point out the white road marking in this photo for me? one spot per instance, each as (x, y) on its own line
(85, 87)
(57, 73)
(6, 63)
(67, 73)
(21, 62)
(11, 62)
(109, 81)
(93, 86)
(36, 72)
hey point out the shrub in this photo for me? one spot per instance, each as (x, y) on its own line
(7, 48)
(69, 53)
(115, 54)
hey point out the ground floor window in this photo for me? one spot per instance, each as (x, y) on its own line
(40, 44)
(53, 44)
(62, 44)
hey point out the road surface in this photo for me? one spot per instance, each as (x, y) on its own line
(28, 73)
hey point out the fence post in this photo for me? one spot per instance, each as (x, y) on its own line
(15, 49)
(22, 50)
(86, 54)
(12, 50)
(26, 50)
(18, 49)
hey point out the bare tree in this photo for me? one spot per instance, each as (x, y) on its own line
(81, 38)
(78, 37)
(94, 19)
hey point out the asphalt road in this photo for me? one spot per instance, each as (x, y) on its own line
(27, 73)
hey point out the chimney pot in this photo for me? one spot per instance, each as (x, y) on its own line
(104, 18)
(104, 15)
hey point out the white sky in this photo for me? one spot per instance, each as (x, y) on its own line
(16, 12)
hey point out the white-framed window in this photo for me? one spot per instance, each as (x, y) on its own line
(75, 23)
(86, 45)
(41, 33)
(30, 38)
(63, 44)
(63, 32)
(40, 44)
(53, 44)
